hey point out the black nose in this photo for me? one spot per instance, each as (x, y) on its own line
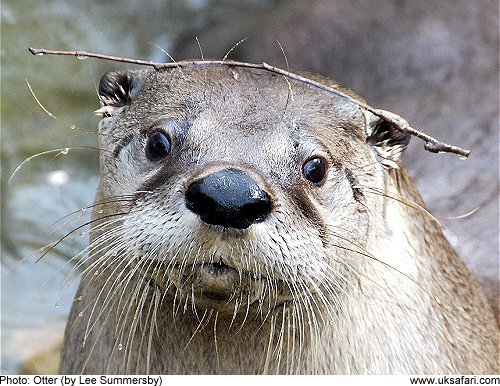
(229, 198)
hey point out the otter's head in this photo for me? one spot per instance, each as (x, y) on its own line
(237, 189)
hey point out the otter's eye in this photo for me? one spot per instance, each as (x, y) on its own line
(315, 170)
(158, 146)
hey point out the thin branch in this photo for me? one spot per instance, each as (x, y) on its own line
(431, 144)
(85, 54)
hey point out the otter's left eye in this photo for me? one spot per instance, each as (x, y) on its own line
(314, 170)
(158, 146)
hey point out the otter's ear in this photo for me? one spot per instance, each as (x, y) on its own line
(385, 138)
(117, 89)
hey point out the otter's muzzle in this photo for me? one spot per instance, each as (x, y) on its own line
(229, 198)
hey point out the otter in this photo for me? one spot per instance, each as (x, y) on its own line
(250, 223)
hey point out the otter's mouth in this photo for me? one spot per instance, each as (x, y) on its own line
(214, 282)
(216, 285)
(216, 269)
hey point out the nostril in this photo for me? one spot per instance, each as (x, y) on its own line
(229, 198)
(258, 208)
(197, 201)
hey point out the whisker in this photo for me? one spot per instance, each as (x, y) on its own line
(402, 200)
(52, 246)
(233, 47)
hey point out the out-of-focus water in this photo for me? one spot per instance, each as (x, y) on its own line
(36, 297)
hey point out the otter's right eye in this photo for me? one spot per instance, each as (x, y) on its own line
(314, 170)
(157, 146)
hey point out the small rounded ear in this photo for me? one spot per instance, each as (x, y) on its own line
(386, 139)
(118, 89)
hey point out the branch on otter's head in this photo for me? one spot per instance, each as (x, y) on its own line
(431, 144)
(85, 54)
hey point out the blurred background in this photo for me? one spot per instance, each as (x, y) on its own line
(434, 63)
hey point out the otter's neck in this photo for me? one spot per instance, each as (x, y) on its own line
(415, 280)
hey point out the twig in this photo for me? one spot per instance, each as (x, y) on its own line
(431, 144)
(85, 54)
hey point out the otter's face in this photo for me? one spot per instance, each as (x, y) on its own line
(236, 189)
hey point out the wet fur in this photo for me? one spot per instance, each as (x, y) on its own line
(353, 275)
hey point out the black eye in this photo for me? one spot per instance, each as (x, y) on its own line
(158, 146)
(315, 170)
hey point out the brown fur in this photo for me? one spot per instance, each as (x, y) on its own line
(354, 275)
(436, 64)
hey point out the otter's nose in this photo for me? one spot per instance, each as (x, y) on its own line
(229, 198)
